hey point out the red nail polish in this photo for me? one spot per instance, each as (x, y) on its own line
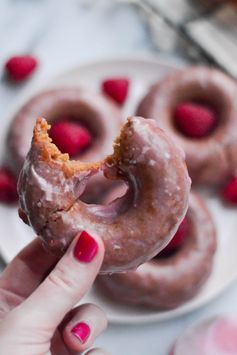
(81, 331)
(86, 248)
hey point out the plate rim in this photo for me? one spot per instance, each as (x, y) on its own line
(39, 84)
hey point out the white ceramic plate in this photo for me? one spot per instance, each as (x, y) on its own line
(14, 234)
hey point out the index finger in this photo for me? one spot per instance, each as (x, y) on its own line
(66, 284)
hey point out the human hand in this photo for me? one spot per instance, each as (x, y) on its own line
(37, 294)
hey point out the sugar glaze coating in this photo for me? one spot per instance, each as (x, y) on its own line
(100, 115)
(166, 283)
(154, 169)
(210, 160)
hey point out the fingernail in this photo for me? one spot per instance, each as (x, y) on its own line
(86, 248)
(81, 331)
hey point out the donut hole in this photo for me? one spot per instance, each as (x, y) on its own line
(116, 204)
(119, 190)
(200, 115)
(70, 136)
(195, 119)
(116, 195)
(87, 126)
(104, 192)
(111, 204)
(179, 240)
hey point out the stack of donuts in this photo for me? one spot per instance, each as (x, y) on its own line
(136, 198)
(197, 107)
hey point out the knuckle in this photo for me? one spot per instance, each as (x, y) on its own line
(61, 278)
(98, 311)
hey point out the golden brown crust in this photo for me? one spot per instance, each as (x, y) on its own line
(91, 109)
(118, 147)
(50, 152)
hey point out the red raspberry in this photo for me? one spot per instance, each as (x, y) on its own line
(230, 191)
(116, 88)
(195, 120)
(8, 186)
(177, 240)
(21, 67)
(70, 137)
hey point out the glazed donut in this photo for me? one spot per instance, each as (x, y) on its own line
(95, 111)
(167, 282)
(213, 158)
(158, 189)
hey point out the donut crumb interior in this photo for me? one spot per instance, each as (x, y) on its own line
(50, 152)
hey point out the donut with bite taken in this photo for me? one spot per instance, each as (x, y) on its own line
(144, 157)
(84, 124)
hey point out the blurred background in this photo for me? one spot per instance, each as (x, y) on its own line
(66, 33)
(63, 34)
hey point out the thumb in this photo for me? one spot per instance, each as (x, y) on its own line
(66, 284)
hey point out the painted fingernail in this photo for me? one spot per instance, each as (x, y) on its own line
(86, 248)
(81, 331)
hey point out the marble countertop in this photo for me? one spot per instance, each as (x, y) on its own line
(63, 34)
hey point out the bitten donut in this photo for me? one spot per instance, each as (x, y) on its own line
(50, 186)
(168, 281)
(198, 108)
(97, 113)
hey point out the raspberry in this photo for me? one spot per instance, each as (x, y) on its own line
(20, 68)
(177, 240)
(230, 191)
(195, 120)
(8, 186)
(116, 88)
(70, 137)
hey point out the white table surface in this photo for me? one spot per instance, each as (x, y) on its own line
(63, 34)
